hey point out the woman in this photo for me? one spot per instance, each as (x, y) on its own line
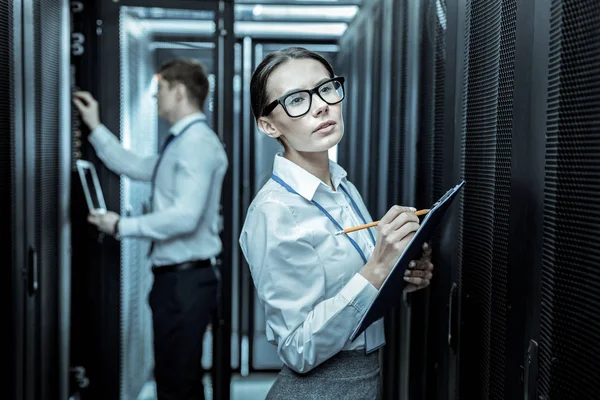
(315, 286)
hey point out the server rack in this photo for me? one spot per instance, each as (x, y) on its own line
(35, 190)
(508, 103)
(100, 293)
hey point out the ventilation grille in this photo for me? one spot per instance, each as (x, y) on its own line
(502, 197)
(425, 142)
(570, 328)
(7, 182)
(440, 90)
(398, 84)
(7, 127)
(47, 86)
(463, 148)
(487, 149)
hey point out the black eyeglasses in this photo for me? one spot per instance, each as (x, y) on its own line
(298, 103)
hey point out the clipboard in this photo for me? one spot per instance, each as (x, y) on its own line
(390, 293)
(91, 187)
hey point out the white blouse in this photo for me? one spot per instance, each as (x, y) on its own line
(307, 277)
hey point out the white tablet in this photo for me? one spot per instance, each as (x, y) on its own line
(91, 186)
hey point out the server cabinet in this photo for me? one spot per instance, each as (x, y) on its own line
(35, 188)
(117, 66)
(569, 358)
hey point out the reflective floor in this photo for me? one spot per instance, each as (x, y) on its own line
(252, 387)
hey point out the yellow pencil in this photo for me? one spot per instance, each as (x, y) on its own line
(372, 224)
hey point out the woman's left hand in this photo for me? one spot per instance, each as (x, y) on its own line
(419, 272)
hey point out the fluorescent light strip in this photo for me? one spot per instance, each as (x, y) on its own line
(266, 11)
(248, 28)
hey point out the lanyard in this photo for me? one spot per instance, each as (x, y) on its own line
(169, 140)
(324, 211)
(358, 212)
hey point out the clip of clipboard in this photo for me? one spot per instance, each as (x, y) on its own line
(389, 295)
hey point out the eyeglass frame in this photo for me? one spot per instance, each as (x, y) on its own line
(279, 101)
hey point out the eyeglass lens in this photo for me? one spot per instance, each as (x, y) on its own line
(299, 103)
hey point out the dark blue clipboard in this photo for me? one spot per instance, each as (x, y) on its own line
(391, 291)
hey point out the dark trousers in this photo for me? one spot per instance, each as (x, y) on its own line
(182, 304)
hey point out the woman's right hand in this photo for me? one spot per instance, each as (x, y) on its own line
(395, 231)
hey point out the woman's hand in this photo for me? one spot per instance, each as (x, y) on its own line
(419, 272)
(395, 231)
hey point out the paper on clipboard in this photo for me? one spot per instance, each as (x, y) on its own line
(390, 295)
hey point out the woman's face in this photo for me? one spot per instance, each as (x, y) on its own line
(318, 130)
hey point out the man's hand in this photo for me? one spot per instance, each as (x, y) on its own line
(106, 223)
(419, 273)
(88, 109)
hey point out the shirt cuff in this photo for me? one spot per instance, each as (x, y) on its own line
(100, 137)
(359, 292)
(129, 227)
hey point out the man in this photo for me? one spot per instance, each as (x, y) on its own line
(186, 177)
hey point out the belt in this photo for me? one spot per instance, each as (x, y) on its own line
(181, 267)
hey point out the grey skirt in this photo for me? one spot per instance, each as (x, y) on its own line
(349, 375)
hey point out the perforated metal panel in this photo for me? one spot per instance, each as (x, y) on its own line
(502, 189)
(502, 200)
(6, 126)
(440, 86)
(463, 142)
(487, 149)
(398, 83)
(425, 144)
(7, 182)
(47, 15)
(570, 328)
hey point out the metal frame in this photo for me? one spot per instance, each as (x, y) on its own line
(238, 203)
(31, 380)
(222, 336)
(246, 323)
(64, 204)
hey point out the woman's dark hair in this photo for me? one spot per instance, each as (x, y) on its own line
(260, 77)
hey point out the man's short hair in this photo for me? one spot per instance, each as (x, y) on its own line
(191, 74)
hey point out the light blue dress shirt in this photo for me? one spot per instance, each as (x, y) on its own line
(306, 277)
(185, 221)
